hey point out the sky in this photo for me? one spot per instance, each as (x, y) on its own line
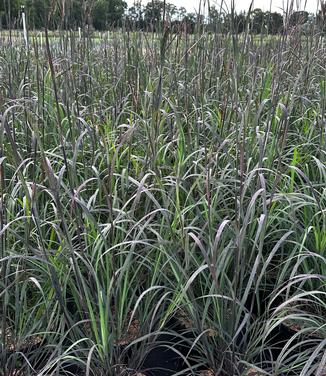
(277, 5)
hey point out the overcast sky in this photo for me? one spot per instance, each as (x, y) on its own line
(277, 5)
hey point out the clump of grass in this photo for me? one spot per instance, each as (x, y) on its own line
(149, 177)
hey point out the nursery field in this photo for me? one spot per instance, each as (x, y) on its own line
(162, 204)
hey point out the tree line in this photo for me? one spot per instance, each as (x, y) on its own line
(106, 14)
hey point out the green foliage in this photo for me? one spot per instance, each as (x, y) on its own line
(104, 14)
(266, 22)
(65, 14)
(150, 177)
(107, 13)
(298, 18)
(321, 17)
(9, 12)
(37, 12)
(99, 15)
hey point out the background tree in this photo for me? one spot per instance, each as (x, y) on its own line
(107, 13)
(258, 21)
(115, 11)
(182, 13)
(99, 15)
(214, 19)
(274, 23)
(321, 17)
(102, 14)
(189, 22)
(153, 13)
(298, 18)
(37, 12)
(239, 22)
(171, 12)
(10, 12)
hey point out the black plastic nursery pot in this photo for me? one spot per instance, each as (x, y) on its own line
(166, 354)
